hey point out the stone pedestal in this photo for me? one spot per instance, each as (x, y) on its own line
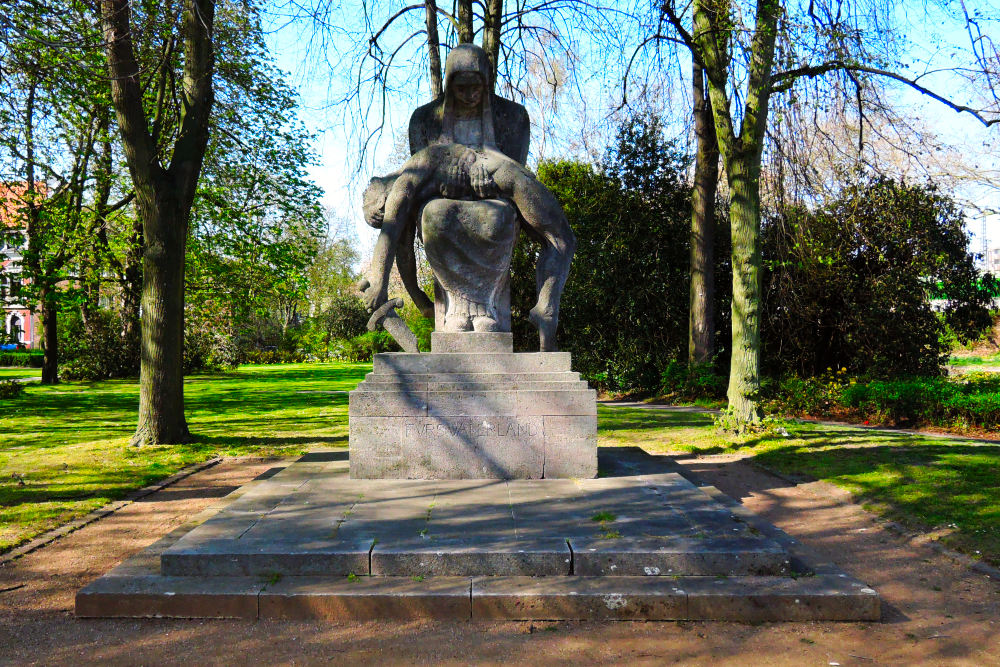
(473, 415)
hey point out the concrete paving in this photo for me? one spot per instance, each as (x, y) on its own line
(309, 542)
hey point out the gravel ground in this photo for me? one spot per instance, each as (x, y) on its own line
(936, 611)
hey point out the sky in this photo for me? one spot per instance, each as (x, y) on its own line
(338, 134)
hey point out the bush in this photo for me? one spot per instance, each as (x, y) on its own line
(10, 389)
(362, 348)
(99, 350)
(848, 284)
(22, 359)
(207, 351)
(693, 381)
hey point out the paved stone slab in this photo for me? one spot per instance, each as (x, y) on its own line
(577, 598)
(268, 559)
(179, 597)
(367, 598)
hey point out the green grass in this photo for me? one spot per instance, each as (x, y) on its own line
(8, 372)
(68, 444)
(926, 483)
(988, 360)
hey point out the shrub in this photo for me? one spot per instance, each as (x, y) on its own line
(22, 359)
(10, 389)
(693, 381)
(207, 351)
(362, 348)
(97, 350)
(847, 284)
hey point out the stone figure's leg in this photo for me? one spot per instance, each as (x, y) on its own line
(541, 210)
(399, 208)
(406, 262)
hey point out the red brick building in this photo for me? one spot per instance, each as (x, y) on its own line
(18, 322)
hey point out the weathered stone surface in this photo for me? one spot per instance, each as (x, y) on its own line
(576, 598)
(367, 598)
(761, 599)
(179, 597)
(570, 446)
(473, 341)
(402, 363)
(469, 557)
(277, 558)
(664, 556)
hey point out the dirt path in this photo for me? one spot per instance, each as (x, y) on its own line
(936, 611)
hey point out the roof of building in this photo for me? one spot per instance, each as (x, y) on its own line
(12, 203)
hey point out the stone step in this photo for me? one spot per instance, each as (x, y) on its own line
(475, 385)
(396, 379)
(479, 403)
(745, 599)
(402, 363)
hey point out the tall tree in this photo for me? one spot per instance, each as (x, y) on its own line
(724, 36)
(165, 175)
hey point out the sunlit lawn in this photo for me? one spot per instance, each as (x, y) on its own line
(64, 449)
(8, 372)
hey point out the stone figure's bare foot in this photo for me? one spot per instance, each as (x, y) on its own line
(546, 325)
(485, 323)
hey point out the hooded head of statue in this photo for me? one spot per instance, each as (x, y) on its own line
(468, 59)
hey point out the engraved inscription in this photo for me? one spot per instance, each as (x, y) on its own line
(474, 427)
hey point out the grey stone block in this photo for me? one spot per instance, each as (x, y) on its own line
(472, 341)
(401, 363)
(468, 557)
(570, 446)
(367, 598)
(576, 598)
(265, 558)
(662, 556)
(177, 597)
(383, 403)
(761, 599)
(473, 403)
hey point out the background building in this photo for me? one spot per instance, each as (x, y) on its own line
(19, 323)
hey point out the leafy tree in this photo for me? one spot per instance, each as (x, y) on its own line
(847, 285)
(624, 313)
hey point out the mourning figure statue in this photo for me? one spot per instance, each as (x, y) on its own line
(465, 191)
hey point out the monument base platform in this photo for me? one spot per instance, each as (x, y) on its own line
(473, 415)
(646, 544)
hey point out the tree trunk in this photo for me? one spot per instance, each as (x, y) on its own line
(433, 48)
(465, 33)
(50, 341)
(701, 324)
(492, 23)
(161, 376)
(744, 214)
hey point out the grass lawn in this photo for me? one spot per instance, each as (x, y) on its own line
(64, 449)
(988, 360)
(8, 372)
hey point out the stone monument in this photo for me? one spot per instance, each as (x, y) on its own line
(471, 408)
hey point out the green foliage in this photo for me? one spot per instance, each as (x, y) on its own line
(690, 382)
(22, 359)
(98, 350)
(10, 389)
(847, 285)
(624, 314)
(362, 348)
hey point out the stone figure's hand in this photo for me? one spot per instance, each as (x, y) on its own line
(372, 295)
(455, 181)
(374, 217)
(482, 182)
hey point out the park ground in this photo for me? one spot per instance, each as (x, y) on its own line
(880, 504)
